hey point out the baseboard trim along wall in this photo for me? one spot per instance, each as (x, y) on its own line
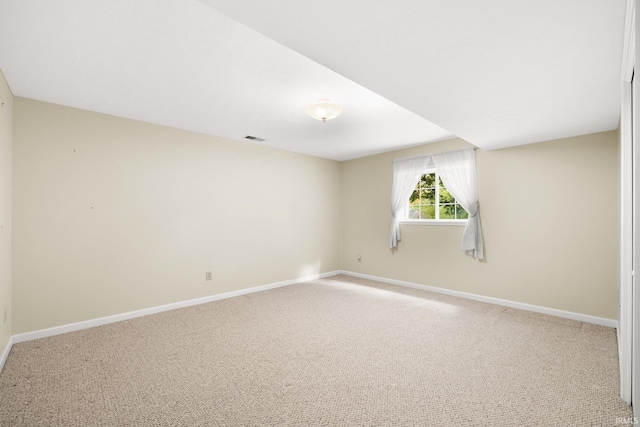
(57, 330)
(5, 353)
(611, 323)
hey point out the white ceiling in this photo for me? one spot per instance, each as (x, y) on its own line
(497, 73)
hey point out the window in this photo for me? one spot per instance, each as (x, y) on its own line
(430, 200)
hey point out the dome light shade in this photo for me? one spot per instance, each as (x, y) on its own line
(323, 110)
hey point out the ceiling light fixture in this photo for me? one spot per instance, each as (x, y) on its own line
(323, 110)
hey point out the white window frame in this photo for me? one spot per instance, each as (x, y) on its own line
(437, 220)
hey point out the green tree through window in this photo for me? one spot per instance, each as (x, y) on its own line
(433, 201)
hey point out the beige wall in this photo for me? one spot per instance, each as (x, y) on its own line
(550, 213)
(6, 124)
(113, 215)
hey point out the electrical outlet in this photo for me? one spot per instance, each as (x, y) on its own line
(208, 275)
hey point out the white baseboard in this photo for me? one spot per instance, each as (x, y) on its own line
(57, 330)
(611, 323)
(5, 353)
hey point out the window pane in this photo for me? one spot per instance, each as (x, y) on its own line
(448, 211)
(424, 205)
(461, 213)
(429, 196)
(428, 180)
(428, 212)
(445, 196)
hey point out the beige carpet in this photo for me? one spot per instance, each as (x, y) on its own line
(334, 352)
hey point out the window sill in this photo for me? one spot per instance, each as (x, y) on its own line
(455, 222)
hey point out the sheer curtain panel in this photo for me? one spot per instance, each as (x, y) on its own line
(406, 174)
(457, 170)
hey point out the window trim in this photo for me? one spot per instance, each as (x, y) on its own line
(456, 222)
(426, 221)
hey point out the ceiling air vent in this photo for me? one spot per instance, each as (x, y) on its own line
(254, 138)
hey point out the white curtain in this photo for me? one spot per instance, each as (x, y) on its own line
(406, 174)
(457, 170)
